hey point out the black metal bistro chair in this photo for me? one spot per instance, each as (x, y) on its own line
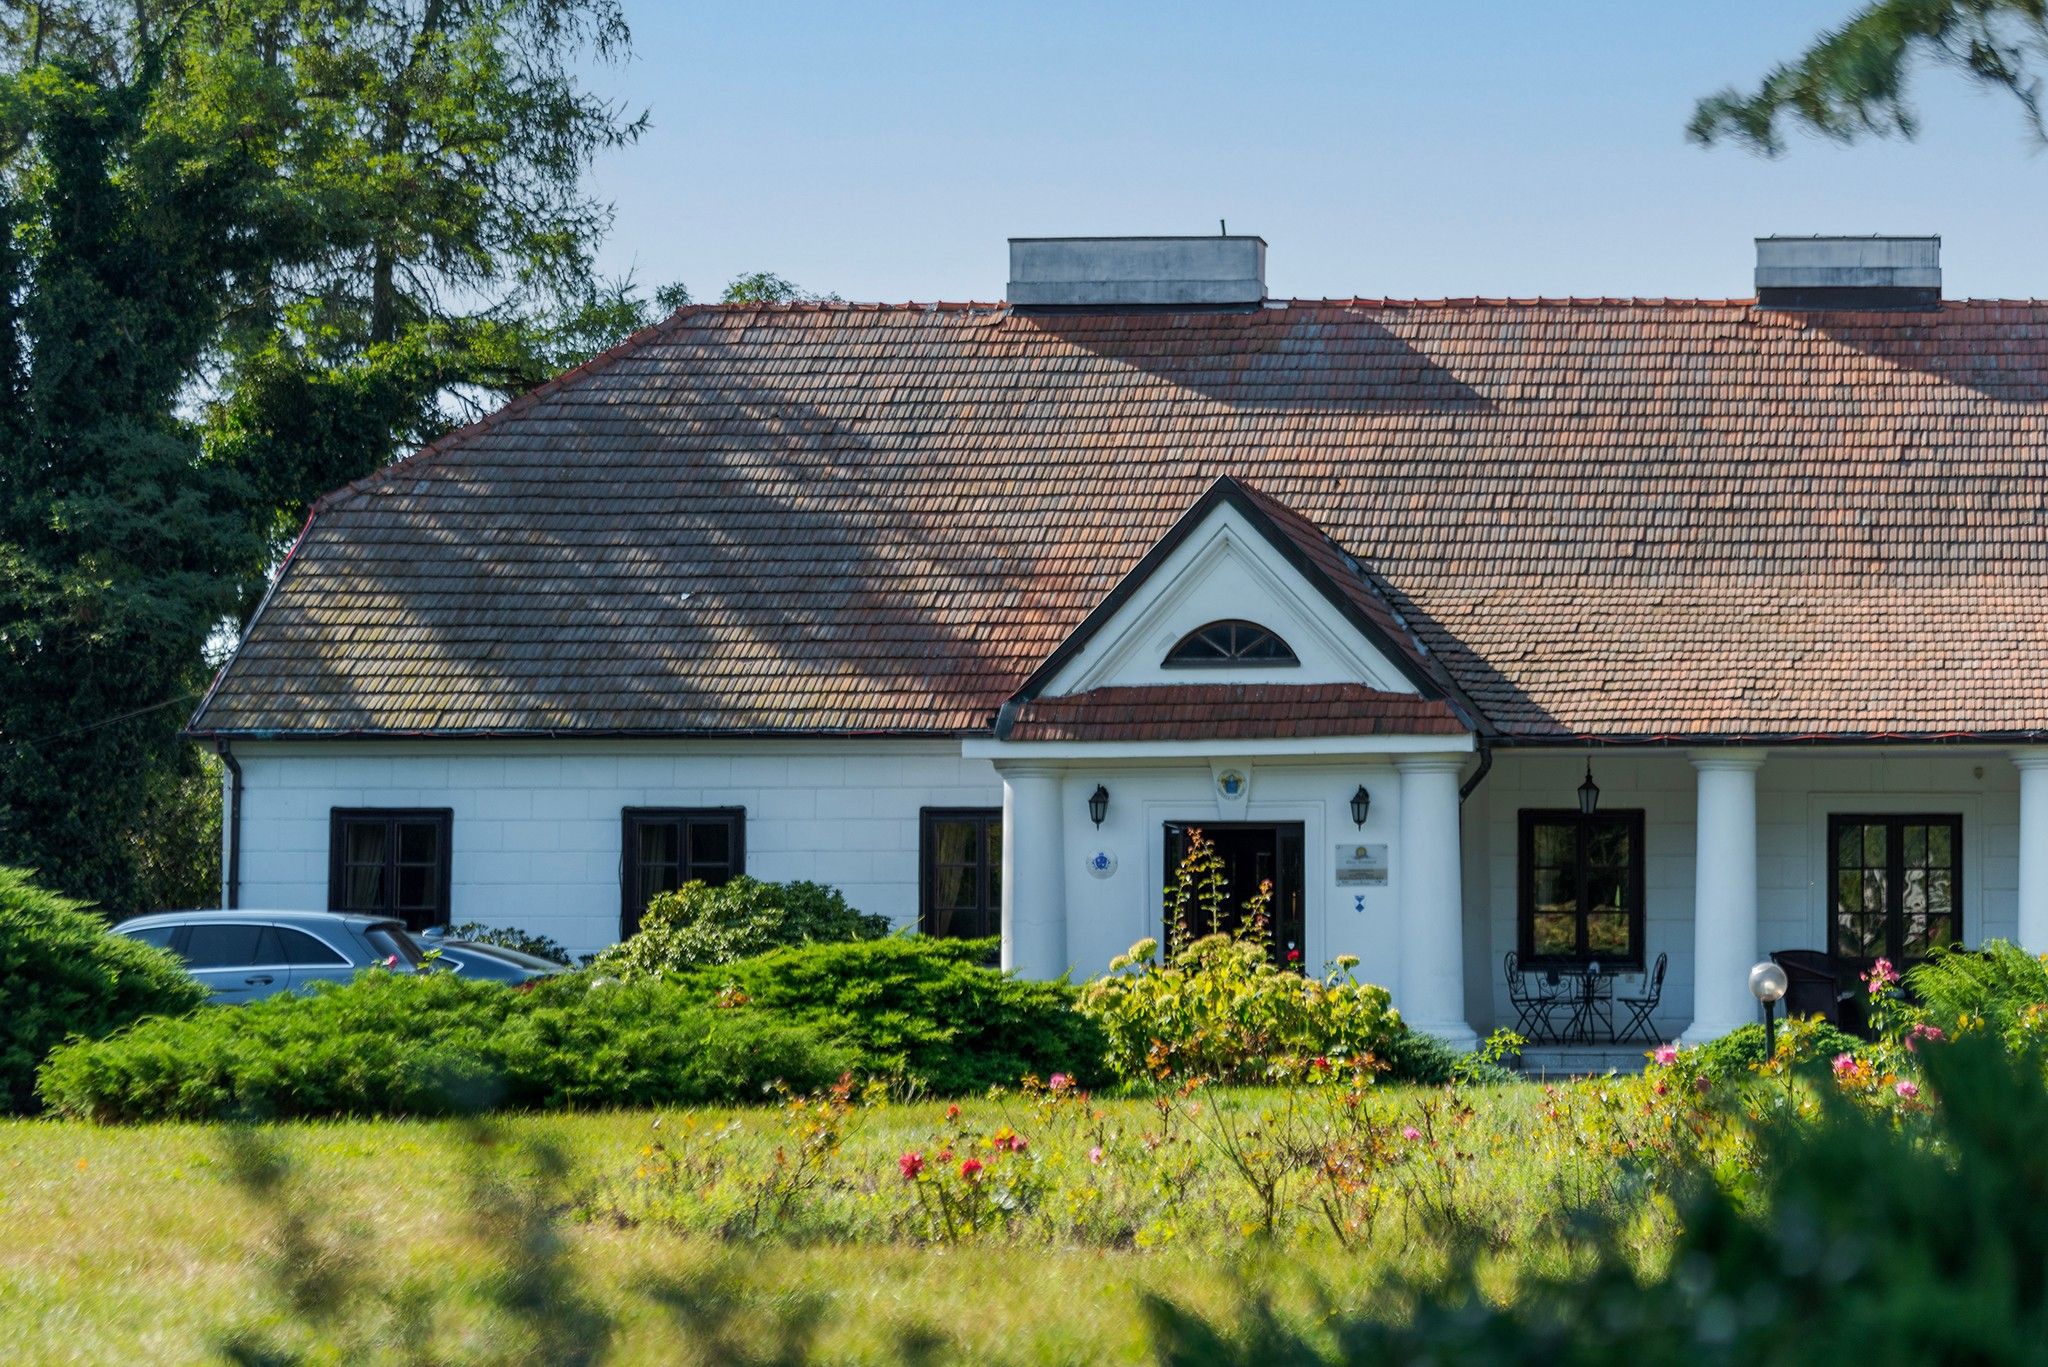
(1593, 996)
(1532, 1009)
(1813, 984)
(1641, 1006)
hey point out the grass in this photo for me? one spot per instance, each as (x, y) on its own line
(134, 1244)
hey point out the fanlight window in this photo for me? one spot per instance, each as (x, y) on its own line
(1231, 642)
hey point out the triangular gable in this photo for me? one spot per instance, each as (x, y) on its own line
(1239, 554)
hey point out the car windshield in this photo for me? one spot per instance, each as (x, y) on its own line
(391, 939)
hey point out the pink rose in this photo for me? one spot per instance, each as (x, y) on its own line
(1667, 1054)
(911, 1165)
(1095, 1154)
(970, 1168)
(1844, 1063)
(1907, 1090)
(1410, 1133)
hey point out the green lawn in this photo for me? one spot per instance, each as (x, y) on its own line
(138, 1245)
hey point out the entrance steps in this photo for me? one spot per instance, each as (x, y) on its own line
(1582, 1060)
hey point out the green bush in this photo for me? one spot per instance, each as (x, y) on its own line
(925, 1007)
(1219, 1008)
(1859, 1245)
(1992, 988)
(62, 974)
(1808, 1043)
(509, 937)
(698, 925)
(390, 1044)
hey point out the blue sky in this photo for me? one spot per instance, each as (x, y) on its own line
(886, 151)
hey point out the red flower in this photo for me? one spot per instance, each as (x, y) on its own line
(970, 1168)
(1322, 1064)
(1017, 1144)
(1294, 956)
(946, 1154)
(952, 1113)
(911, 1165)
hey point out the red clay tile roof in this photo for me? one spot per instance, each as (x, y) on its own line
(1620, 518)
(1233, 712)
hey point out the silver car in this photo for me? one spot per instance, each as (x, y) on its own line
(244, 956)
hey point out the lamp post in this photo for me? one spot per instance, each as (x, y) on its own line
(1767, 983)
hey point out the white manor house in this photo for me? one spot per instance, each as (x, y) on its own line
(1615, 630)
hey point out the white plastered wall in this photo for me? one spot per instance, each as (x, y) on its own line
(537, 828)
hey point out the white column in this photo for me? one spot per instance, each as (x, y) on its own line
(1724, 931)
(2033, 927)
(1034, 872)
(1431, 993)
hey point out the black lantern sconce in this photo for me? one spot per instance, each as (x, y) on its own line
(1361, 806)
(1589, 792)
(1098, 805)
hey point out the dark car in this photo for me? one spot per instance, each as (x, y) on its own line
(491, 963)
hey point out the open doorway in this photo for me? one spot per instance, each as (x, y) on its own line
(1252, 853)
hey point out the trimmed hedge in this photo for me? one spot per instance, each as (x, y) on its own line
(929, 1008)
(62, 974)
(434, 1044)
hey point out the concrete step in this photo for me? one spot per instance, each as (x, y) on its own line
(1582, 1060)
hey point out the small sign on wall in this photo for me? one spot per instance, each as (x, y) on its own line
(1366, 864)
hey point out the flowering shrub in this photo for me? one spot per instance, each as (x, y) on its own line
(1217, 1007)
(1221, 1009)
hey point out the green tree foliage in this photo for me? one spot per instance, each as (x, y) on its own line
(121, 545)
(698, 925)
(1852, 83)
(766, 287)
(61, 974)
(249, 250)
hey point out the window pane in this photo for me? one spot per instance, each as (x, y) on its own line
(416, 888)
(301, 948)
(419, 842)
(1849, 848)
(1873, 847)
(1940, 845)
(1608, 844)
(1913, 897)
(660, 842)
(1607, 934)
(1556, 846)
(364, 888)
(160, 936)
(210, 946)
(1915, 841)
(1555, 892)
(1555, 935)
(1873, 894)
(710, 843)
(993, 840)
(1914, 946)
(1606, 890)
(1941, 892)
(1849, 891)
(954, 842)
(954, 887)
(1941, 932)
(363, 842)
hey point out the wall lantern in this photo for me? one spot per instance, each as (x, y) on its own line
(1589, 792)
(1098, 805)
(1767, 983)
(1361, 805)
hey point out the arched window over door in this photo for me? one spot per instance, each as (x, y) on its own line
(1232, 641)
